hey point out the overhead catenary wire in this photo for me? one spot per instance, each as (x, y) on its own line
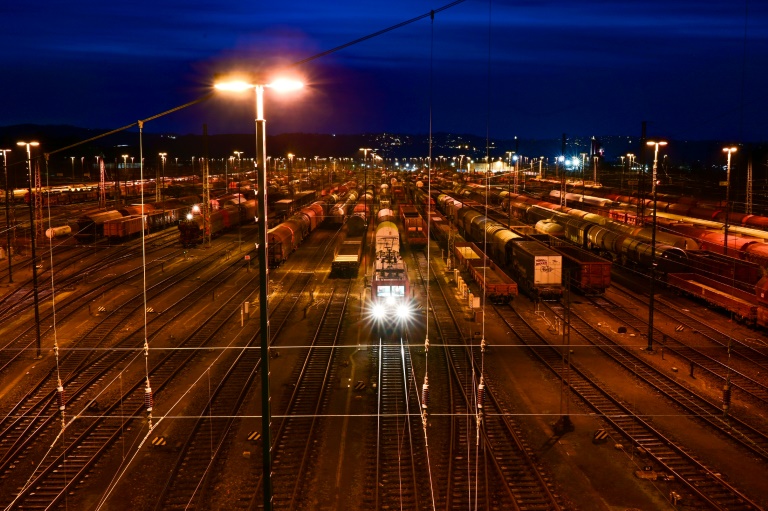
(148, 398)
(425, 387)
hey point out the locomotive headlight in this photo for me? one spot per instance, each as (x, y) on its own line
(378, 311)
(403, 311)
(390, 300)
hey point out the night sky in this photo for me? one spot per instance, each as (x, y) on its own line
(533, 68)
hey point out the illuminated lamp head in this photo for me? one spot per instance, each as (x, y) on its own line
(379, 311)
(403, 312)
(189, 216)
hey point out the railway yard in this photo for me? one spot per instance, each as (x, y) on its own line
(432, 346)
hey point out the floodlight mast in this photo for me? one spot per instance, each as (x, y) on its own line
(261, 197)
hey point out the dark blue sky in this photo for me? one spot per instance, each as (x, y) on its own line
(583, 67)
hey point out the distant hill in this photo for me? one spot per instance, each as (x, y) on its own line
(688, 154)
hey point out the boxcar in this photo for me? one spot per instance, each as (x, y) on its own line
(91, 225)
(586, 272)
(122, 228)
(536, 268)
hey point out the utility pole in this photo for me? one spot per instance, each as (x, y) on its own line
(8, 193)
(649, 349)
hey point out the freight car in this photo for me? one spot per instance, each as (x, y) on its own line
(341, 210)
(731, 299)
(287, 236)
(586, 272)
(90, 226)
(536, 268)
(413, 225)
(347, 257)
(124, 227)
(192, 229)
(497, 285)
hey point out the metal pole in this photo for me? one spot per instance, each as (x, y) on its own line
(7, 214)
(261, 154)
(649, 349)
(32, 245)
(728, 150)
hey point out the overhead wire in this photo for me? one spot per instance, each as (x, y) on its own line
(481, 384)
(148, 398)
(425, 386)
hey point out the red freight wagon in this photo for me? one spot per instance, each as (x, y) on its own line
(589, 273)
(734, 300)
(497, 285)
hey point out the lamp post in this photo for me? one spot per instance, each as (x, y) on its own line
(7, 214)
(561, 161)
(290, 169)
(117, 174)
(261, 155)
(656, 145)
(73, 168)
(160, 183)
(239, 179)
(729, 150)
(32, 242)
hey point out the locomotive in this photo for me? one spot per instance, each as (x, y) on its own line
(390, 289)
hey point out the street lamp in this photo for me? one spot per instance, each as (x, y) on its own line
(261, 154)
(161, 184)
(239, 180)
(290, 170)
(73, 169)
(656, 145)
(7, 214)
(32, 241)
(117, 174)
(729, 150)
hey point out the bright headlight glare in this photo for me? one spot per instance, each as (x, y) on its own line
(403, 312)
(378, 311)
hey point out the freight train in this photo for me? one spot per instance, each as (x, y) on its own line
(123, 223)
(229, 214)
(535, 267)
(287, 236)
(736, 285)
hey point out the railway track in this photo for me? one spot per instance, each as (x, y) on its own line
(297, 433)
(35, 419)
(694, 481)
(495, 469)
(25, 337)
(194, 473)
(20, 298)
(738, 430)
(754, 355)
(744, 385)
(399, 438)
